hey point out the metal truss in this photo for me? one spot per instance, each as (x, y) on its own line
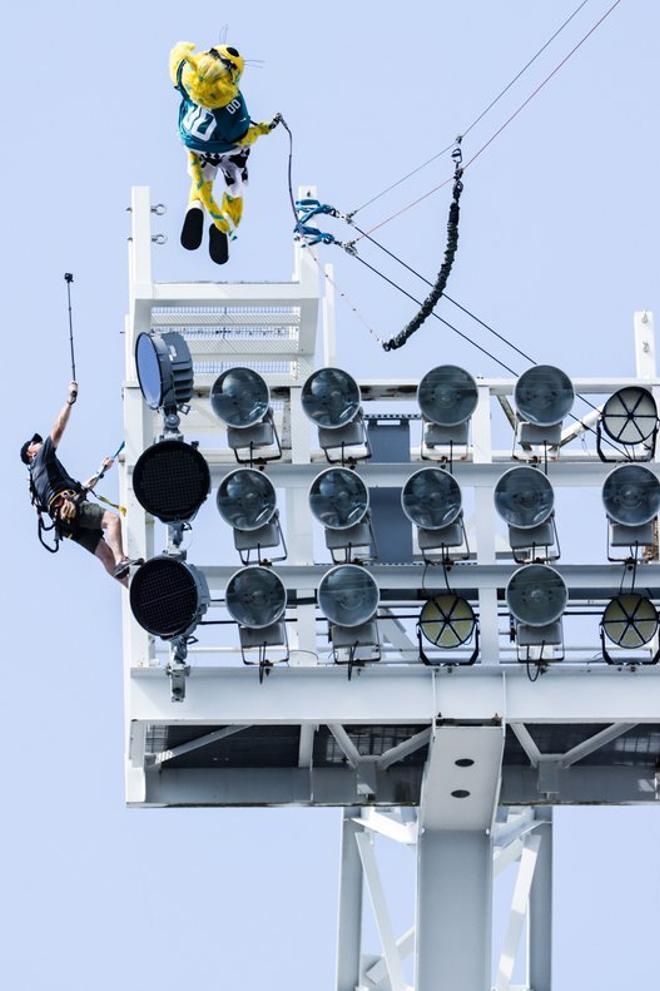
(461, 773)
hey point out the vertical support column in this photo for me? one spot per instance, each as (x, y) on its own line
(539, 938)
(485, 526)
(349, 922)
(454, 894)
(328, 310)
(299, 531)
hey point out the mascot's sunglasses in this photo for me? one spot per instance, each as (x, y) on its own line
(225, 61)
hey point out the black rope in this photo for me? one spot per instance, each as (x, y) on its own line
(438, 287)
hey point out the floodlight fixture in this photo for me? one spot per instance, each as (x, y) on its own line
(543, 396)
(348, 597)
(339, 500)
(241, 399)
(165, 370)
(447, 397)
(171, 480)
(447, 621)
(168, 596)
(246, 501)
(331, 400)
(630, 419)
(256, 600)
(630, 621)
(431, 499)
(536, 596)
(524, 499)
(631, 496)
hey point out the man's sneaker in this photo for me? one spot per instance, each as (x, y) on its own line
(193, 228)
(218, 245)
(122, 569)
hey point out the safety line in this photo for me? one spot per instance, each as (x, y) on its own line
(480, 116)
(506, 123)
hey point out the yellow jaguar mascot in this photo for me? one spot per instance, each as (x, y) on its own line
(215, 127)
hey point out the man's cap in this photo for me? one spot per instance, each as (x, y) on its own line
(34, 439)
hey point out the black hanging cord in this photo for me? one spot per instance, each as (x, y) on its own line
(429, 304)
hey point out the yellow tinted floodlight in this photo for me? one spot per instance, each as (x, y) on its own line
(524, 499)
(241, 399)
(168, 597)
(543, 396)
(171, 480)
(447, 397)
(339, 500)
(630, 418)
(447, 621)
(331, 400)
(256, 600)
(165, 370)
(246, 501)
(630, 621)
(536, 596)
(431, 499)
(631, 496)
(348, 597)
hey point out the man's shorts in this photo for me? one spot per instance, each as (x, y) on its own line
(86, 528)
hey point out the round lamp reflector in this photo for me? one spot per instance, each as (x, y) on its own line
(255, 597)
(246, 499)
(447, 620)
(168, 597)
(544, 395)
(338, 498)
(631, 495)
(171, 480)
(524, 497)
(630, 415)
(630, 620)
(348, 595)
(331, 398)
(431, 498)
(165, 369)
(536, 595)
(447, 395)
(240, 397)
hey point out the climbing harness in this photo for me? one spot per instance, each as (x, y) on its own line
(52, 511)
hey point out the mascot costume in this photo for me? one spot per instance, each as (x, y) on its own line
(215, 127)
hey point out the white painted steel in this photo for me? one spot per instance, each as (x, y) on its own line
(540, 925)
(518, 912)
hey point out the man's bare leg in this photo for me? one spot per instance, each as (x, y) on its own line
(107, 559)
(111, 525)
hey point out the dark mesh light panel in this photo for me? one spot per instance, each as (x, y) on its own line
(165, 597)
(171, 480)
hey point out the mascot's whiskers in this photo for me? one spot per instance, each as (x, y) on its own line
(215, 127)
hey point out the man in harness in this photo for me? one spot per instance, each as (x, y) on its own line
(65, 500)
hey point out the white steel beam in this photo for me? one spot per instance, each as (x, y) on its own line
(539, 930)
(404, 749)
(349, 922)
(390, 694)
(405, 944)
(391, 955)
(594, 743)
(526, 741)
(518, 912)
(196, 744)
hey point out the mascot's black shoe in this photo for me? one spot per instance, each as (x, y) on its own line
(218, 245)
(193, 228)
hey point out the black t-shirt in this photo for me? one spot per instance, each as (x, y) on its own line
(49, 476)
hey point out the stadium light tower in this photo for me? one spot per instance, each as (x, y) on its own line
(454, 736)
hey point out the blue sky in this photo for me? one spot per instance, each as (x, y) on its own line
(558, 248)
